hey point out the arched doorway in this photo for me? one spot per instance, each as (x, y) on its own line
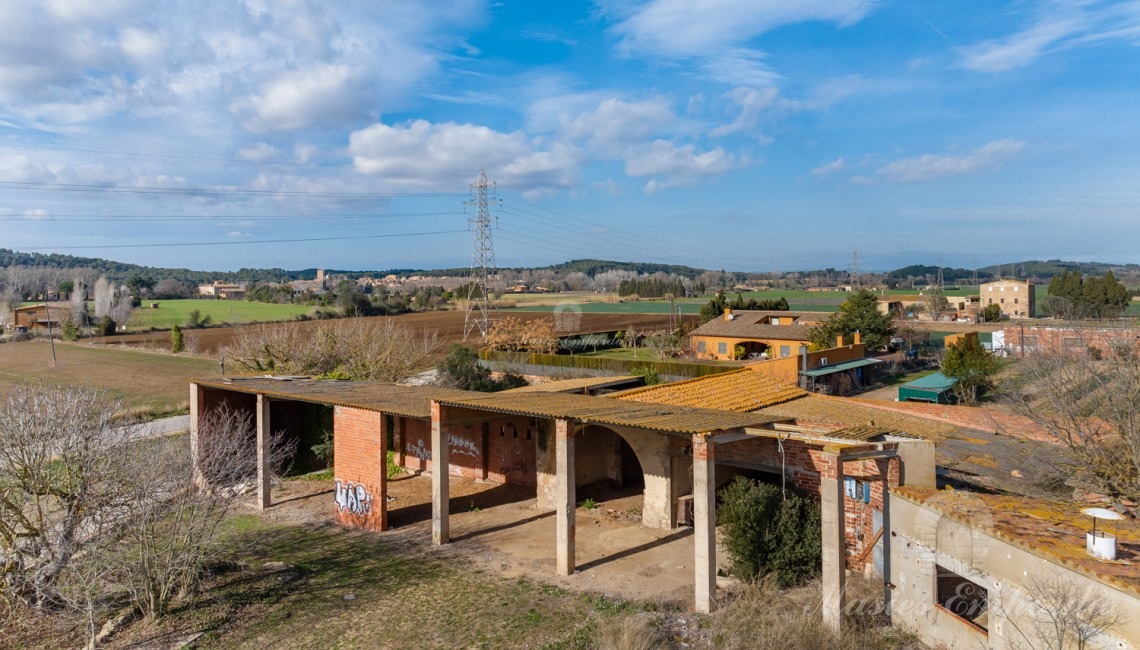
(607, 470)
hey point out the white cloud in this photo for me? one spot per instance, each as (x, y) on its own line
(238, 233)
(740, 66)
(1058, 25)
(423, 154)
(698, 27)
(929, 166)
(260, 152)
(615, 123)
(663, 158)
(830, 168)
(320, 95)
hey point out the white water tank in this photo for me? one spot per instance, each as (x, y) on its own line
(1101, 545)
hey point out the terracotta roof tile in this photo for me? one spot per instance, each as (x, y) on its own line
(738, 390)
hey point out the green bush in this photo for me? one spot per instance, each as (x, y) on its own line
(769, 533)
(177, 340)
(106, 327)
(69, 330)
(623, 366)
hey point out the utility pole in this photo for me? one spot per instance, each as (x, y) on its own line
(51, 336)
(479, 314)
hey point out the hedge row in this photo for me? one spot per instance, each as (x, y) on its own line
(626, 366)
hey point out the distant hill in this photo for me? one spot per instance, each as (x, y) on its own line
(1033, 269)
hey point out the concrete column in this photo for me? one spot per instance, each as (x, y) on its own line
(704, 521)
(264, 498)
(834, 544)
(196, 399)
(440, 460)
(565, 501)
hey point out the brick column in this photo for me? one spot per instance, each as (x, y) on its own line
(440, 485)
(360, 455)
(885, 466)
(834, 541)
(704, 521)
(566, 501)
(264, 497)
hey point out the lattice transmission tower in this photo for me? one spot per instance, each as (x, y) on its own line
(479, 312)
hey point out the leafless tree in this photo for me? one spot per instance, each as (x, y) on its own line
(104, 297)
(1061, 615)
(92, 511)
(1086, 396)
(351, 348)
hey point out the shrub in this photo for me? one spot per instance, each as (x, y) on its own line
(69, 330)
(106, 326)
(177, 340)
(770, 533)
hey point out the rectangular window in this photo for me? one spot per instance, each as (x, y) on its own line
(722, 348)
(700, 346)
(1015, 301)
(963, 598)
(1029, 341)
(785, 350)
(1003, 301)
(1017, 288)
(776, 320)
(991, 301)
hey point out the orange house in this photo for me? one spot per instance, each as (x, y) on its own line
(753, 335)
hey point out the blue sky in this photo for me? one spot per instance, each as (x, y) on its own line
(742, 134)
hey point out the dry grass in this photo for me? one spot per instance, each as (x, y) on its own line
(763, 617)
(627, 633)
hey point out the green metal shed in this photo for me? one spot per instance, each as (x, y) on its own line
(936, 389)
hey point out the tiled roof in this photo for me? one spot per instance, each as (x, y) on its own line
(738, 390)
(746, 325)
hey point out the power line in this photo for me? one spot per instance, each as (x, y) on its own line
(192, 191)
(95, 218)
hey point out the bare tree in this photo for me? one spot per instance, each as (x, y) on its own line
(92, 511)
(1062, 615)
(351, 348)
(1086, 396)
(104, 297)
(61, 451)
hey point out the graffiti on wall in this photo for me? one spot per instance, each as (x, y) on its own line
(418, 450)
(462, 446)
(457, 445)
(352, 498)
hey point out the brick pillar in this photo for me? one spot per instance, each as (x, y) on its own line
(440, 485)
(885, 466)
(704, 522)
(264, 496)
(566, 498)
(834, 542)
(360, 468)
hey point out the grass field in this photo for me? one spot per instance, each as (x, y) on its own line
(146, 381)
(177, 312)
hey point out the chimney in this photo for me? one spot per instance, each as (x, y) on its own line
(728, 313)
(839, 341)
(858, 337)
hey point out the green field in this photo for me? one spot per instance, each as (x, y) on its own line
(177, 312)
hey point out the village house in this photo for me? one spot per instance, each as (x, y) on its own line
(753, 335)
(1016, 298)
(38, 317)
(222, 290)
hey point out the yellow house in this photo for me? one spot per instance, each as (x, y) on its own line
(753, 335)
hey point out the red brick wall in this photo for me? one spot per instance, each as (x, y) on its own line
(359, 454)
(500, 450)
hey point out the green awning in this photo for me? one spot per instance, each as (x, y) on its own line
(839, 367)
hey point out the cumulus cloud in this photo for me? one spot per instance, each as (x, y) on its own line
(408, 154)
(616, 123)
(663, 158)
(692, 27)
(319, 95)
(260, 152)
(929, 166)
(827, 169)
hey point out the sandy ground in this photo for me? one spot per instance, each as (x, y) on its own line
(449, 324)
(499, 528)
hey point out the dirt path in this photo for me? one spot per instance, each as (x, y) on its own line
(500, 529)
